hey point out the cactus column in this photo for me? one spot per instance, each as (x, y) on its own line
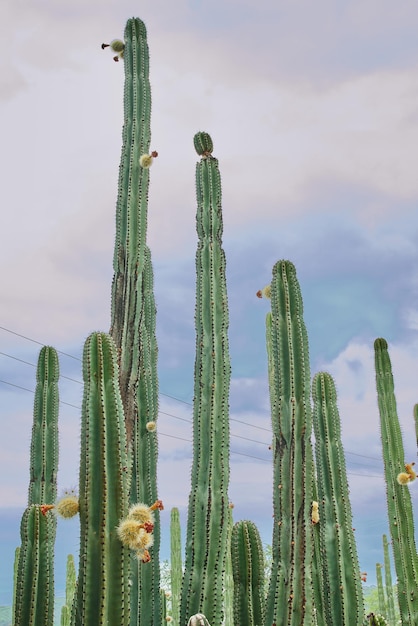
(248, 572)
(102, 594)
(176, 571)
(207, 525)
(34, 594)
(133, 311)
(289, 601)
(390, 602)
(401, 522)
(342, 591)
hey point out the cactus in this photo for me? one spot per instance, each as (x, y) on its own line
(342, 590)
(207, 524)
(133, 310)
(34, 603)
(70, 587)
(34, 594)
(290, 597)
(380, 592)
(248, 572)
(164, 615)
(176, 565)
(228, 574)
(44, 444)
(390, 602)
(398, 497)
(102, 595)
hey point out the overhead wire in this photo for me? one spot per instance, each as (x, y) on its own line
(161, 393)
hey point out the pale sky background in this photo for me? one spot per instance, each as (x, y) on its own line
(313, 110)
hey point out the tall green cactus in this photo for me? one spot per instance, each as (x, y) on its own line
(289, 601)
(381, 601)
(400, 512)
(248, 572)
(228, 574)
(44, 443)
(390, 602)
(34, 593)
(207, 524)
(34, 605)
(133, 311)
(342, 590)
(70, 587)
(102, 594)
(176, 571)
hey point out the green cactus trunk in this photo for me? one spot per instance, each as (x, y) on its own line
(102, 595)
(44, 444)
(248, 572)
(34, 604)
(400, 512)
(70, 587)
(229, 575)
(34, 594)
(390, 601)
(134, 314)
(342, 590)
(176, 571)
(207, 526)
(290, 597)
(380, 592)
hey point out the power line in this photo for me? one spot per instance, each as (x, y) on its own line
(189, 440)
(7, 330)
(15, 358)
(5, 382)
(231, 419)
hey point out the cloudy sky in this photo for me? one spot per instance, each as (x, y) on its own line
(313, 110)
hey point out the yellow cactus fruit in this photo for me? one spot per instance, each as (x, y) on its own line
(144, 556)
(117, 46)
(151, 427)
(67, 506)
(128, 532)
(143, 540)
(411, 473)
(403, 478)
(141, 513)
(265, 292)
(315, 512)
(145, 161)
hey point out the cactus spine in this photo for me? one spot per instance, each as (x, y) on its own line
(34, 595)
(133, 310)
(207, 524)
(342, 590)
(248, 572)
(398, 497)
(102, 594)
(289, 601)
